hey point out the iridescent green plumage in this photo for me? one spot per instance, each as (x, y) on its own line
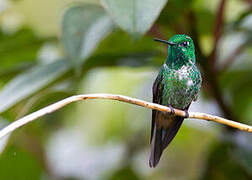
(177, 85)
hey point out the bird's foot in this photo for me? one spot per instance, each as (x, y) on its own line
(172, 110)
(186, 114)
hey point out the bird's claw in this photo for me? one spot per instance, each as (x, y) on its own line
(186, 114)
(172, 110)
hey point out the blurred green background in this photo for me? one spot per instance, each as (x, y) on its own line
(52, 49)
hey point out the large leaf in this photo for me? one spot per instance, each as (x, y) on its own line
(134, 16)
(83, 28)
(31, 81)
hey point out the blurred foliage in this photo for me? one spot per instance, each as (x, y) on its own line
(26, 166)
(50, 50)
(222, 153)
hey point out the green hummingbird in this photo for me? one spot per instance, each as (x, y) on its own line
(177, 85)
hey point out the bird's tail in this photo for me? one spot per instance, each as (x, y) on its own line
(161, 139)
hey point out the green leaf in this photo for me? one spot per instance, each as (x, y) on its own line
(134, 16)
(83, 28)
(31, 81)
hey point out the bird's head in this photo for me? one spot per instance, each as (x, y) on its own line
(180, 49)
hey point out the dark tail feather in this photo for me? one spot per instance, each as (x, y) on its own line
(172, 131)
(156, 147)
(162, 138)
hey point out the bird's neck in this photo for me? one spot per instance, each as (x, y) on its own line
(175, 60)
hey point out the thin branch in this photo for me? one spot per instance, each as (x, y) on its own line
(51, 108)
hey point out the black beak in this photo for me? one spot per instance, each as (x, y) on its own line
(163, 41)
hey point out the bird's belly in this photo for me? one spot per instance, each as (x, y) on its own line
(179, 92)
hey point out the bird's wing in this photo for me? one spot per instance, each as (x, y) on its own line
(157, 90)
(164, 126)
(199, 81)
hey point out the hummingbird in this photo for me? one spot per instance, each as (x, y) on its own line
(176, 86)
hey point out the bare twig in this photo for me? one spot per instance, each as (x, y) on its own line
(64, 102)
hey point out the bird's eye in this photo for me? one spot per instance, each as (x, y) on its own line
(185, 43)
